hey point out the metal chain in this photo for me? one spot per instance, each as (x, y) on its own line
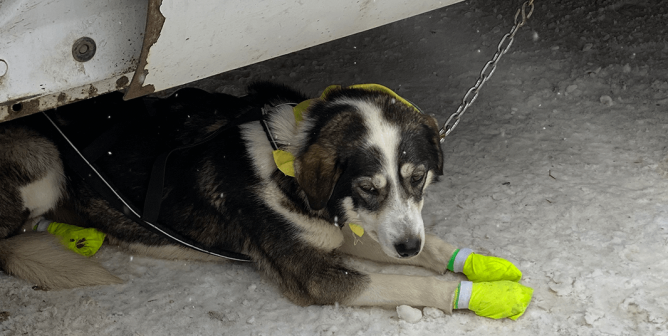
(488, 69)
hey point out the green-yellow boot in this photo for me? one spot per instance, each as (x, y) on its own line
(495, 300)
(480, 268)
(85, 241)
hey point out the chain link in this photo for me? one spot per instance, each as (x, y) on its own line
(488, 69)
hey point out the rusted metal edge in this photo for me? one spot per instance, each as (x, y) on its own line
(37, 103)
(154, 22)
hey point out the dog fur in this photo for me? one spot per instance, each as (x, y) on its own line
(361, 157)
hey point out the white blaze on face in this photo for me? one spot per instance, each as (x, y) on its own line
(400, 217)
(401, 220)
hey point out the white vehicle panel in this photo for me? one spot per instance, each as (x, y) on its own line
(241, 32)
(36, 50)
(161, 44)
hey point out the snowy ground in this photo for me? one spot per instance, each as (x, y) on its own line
(560, 166)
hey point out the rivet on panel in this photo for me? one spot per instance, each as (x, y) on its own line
(83, 49)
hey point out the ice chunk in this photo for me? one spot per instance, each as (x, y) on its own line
(409, 314)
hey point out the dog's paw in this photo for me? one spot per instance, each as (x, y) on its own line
(495, 300)
(84, 241)
(479, 268)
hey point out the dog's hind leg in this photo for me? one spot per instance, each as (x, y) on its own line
(31, 175)
(32, 180)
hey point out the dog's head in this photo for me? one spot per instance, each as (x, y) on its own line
(367, 156)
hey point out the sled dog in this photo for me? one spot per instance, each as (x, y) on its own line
(355, 166)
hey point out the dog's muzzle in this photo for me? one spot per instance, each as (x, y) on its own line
(408, 247)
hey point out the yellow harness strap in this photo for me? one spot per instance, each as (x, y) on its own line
(380, 88)
(285, 162)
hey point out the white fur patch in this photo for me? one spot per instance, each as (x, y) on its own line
(42, 195)
(283, 125)
(382, 134)
(283, 128)
(259, 149)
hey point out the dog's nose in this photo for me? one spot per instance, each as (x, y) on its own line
(408, 247)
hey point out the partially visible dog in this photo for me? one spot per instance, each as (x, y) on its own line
(362, 156)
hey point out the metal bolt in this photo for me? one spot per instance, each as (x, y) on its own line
(83, 49)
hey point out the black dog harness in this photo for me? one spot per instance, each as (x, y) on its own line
(77, 161)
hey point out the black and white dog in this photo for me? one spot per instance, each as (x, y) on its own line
(361, 157)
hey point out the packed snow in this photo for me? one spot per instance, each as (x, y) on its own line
(560, 166)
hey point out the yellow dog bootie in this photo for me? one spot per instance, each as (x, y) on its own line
(495, 300)
(85, 241)
(479, 268)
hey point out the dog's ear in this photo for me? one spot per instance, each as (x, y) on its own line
(316, 172)
(435, 140)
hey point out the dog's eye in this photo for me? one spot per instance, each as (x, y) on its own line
(417, 177)
(368, 188)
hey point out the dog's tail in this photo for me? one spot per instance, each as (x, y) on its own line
(40, 258)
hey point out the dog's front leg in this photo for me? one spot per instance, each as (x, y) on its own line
(489, 299)
(435, 255)
(387, 290)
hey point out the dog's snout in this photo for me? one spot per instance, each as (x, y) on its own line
(408, 247)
